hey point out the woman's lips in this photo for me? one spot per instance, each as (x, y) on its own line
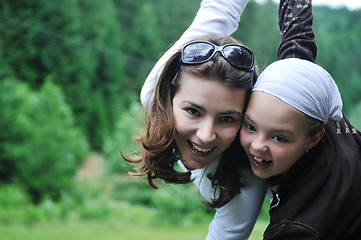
(200, 150)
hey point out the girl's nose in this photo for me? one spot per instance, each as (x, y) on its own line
(258, 144)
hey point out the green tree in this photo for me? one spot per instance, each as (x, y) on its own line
(127, 130)
(355, 116)
(39, 140)
(258, 29)
(78, 43)
(338, 38)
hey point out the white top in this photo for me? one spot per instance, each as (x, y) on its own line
(236, 219)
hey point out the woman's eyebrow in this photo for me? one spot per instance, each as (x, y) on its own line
(231, 112)
(193, 104)
(228, 112)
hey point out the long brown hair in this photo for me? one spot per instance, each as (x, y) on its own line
(159, 156)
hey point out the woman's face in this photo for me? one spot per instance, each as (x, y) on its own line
(208, 116)
(274, 135)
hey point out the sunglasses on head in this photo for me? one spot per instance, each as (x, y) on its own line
(202, 51)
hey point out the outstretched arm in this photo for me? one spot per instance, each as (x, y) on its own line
(297, 36)
(219, 17)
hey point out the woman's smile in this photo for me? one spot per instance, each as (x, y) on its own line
(198, 150)
(207, 116)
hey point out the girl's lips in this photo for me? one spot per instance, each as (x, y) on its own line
(260, 163)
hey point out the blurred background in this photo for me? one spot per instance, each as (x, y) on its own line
(70, 77)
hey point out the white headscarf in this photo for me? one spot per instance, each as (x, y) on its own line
(303, 85)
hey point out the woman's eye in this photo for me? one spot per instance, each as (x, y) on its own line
(280, 139)
(193, 112)
(249, 127)
(227, 119)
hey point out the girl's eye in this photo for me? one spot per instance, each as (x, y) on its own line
(280, 139)
(227, 119)
(193, 112)
(249, 127)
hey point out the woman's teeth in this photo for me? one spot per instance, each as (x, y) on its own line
(201, 150)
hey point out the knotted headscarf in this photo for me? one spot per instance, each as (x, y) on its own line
(305, 86)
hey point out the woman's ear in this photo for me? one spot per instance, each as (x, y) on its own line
(315, 139)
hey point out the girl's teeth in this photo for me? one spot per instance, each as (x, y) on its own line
(259, 159)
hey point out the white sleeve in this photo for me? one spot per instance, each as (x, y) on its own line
(214, 16)
(236, 219)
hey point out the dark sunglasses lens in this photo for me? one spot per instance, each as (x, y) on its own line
(197, 52)
(238, 56)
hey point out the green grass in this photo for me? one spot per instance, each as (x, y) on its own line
(105, 230)
(109, 230)
(128, 222)
(171, 213)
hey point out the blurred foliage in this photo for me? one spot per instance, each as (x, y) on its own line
(40, 146)
(128, 129)
(77, 43)
(338, 37)
(104, 199)
(355, 116)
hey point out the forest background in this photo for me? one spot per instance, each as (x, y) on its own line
(70, 76)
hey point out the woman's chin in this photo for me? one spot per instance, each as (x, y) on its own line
(192, 165)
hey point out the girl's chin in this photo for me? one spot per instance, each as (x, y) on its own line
(259, 173)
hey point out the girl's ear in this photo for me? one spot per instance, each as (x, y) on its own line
(315, 139)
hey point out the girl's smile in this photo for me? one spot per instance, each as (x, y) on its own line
(274, 135)
(261, 163)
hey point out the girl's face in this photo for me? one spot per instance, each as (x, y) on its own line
(208, 116)
(274, 135)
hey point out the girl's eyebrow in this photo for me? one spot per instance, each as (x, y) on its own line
(228, 112)
(248, 118)
(278, 130)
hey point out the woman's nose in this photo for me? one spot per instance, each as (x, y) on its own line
(206, 132)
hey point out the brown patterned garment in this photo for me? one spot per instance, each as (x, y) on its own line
(320, 197)
(297, 36)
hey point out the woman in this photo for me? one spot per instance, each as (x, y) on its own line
(194, 121)
(186, 123)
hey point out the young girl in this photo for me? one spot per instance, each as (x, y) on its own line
(297, 138)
